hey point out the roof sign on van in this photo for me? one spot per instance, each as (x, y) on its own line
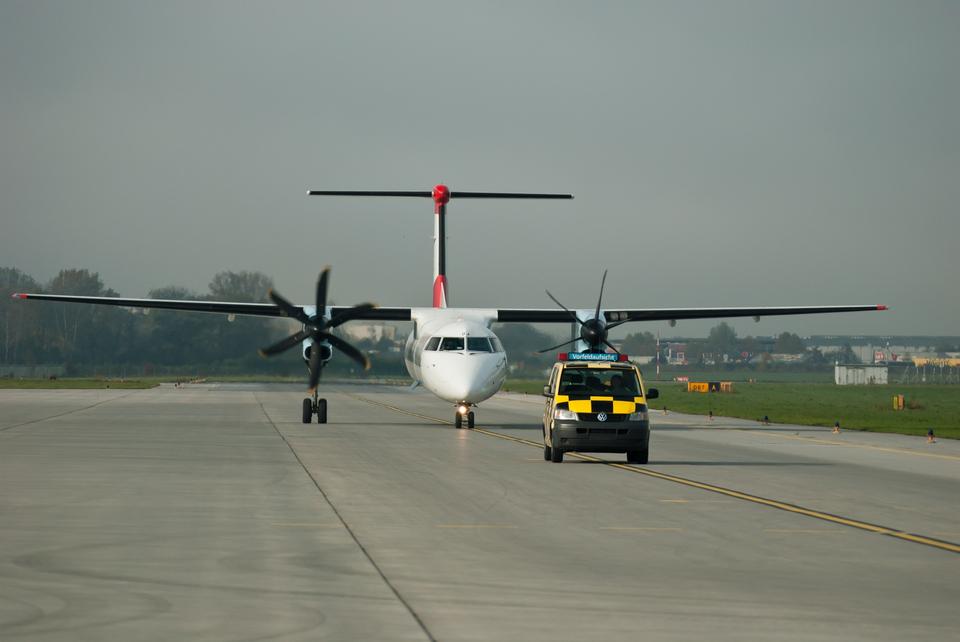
(591, 356)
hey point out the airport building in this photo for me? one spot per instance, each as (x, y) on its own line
(859, 374)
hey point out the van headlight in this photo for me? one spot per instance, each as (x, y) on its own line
(637, 416)
(564, 415)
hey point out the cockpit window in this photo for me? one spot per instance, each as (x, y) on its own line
(433, 343)
(451, 343)
(478, 344)
(497, 346)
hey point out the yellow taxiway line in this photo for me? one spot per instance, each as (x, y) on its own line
(728, 492)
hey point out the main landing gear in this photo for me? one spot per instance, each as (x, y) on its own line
(462, 413)
(315, 406)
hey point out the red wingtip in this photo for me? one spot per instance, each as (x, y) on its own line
(882, 307)
(19, 295)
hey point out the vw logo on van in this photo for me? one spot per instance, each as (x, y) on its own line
(601, 416)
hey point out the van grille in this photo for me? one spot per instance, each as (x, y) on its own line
(592, 416)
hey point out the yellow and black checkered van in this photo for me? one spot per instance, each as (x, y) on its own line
(596, 407)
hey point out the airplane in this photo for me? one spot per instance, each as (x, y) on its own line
(452, 352)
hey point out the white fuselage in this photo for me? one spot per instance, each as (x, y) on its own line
(455, 355)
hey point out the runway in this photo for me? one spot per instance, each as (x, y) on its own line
(211, 512)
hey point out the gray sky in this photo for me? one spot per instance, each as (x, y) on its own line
(721, 153)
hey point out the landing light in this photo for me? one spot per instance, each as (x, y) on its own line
(463, 409)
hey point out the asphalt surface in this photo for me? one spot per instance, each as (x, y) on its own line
(211, 512)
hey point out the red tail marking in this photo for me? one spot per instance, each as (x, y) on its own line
(440, 292)
(882, 307)
(18, 295)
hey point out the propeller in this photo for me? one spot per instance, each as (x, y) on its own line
(593, 331)
(317, 328)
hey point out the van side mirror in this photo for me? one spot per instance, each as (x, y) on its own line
(652, 393)
(546, 391)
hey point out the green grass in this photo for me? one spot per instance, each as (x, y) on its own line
(332, 378)
(528, 386)
(811, 404)
(816, 404)
(78, 383)
(153, 381)
(757, 376)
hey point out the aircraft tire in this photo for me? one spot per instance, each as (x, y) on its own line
(321, 411)
(458, 421)
(307, 411)
(470, 419)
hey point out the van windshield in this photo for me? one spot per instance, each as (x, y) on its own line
(611, 382)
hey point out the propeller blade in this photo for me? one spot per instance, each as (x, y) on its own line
(348, 350)
(596, 315)
(610, 345)
(315, 364)
(554, 299)
(353, 313)
(288, 309)
(565, 343)
(611, 326)
(322, 291)
(284, 344)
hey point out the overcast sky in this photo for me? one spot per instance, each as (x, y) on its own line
(720, 153)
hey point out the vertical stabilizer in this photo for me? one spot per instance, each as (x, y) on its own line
(441, 196)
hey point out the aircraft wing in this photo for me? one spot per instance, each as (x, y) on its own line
(553, 315)
(220, 307)
(502, 315)
(376, 314)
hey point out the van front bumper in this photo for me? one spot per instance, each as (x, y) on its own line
(601, 437)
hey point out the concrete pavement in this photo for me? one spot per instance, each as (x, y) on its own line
(211, 512)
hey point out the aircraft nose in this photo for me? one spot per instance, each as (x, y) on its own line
(459, 377)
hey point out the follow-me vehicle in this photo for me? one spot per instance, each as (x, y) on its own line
(596, 402)
(451, 351)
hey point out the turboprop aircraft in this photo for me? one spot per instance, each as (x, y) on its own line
(452, 352)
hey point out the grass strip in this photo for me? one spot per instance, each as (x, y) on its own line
(815, 404)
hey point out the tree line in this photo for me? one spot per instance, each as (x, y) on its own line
(721, 347)
(90, 337)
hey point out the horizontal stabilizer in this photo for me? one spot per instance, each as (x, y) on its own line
(429, 194)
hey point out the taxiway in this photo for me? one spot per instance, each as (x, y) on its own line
(211, 512)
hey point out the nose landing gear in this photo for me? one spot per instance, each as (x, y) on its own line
(462, 413)
(315, 406)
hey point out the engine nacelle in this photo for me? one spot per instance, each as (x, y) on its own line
(326, 351)
(593, 332)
